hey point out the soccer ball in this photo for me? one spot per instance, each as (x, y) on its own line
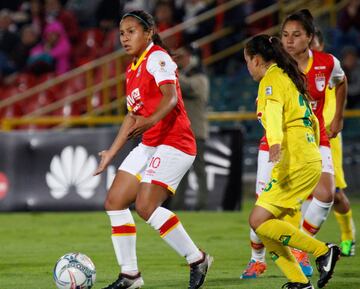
(74, 271)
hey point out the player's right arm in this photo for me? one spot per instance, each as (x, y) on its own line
(118, 143)
(338, 81)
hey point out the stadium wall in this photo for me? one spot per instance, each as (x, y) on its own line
(53, 171)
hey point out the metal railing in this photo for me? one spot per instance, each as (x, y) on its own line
(118, 58)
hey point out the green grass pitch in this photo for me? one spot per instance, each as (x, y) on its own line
(30, 244)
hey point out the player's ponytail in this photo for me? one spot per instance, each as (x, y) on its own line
(271, 50)
(158, 41)
(148, 23)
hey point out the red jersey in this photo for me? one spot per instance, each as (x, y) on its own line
(322, 71)
(143, 80)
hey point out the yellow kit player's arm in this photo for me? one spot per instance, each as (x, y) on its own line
(274, 128)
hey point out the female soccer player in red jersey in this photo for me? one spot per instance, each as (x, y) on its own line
(152, 170)
(342, 209)
(322, 70)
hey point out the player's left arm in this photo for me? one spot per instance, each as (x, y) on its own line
(274, 118)
(338, 82)
(274, 129)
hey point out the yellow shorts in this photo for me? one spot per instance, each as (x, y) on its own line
(287, 189)
(337, 156)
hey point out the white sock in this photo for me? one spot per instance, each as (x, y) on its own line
(124, 240)
(315, 215)
(304, 207)
(171, 230)
(257, 247)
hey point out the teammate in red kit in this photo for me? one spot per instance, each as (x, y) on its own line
(152, 170)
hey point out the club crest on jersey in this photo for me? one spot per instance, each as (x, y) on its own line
(162, 64)
(320, 82)
(268, 90)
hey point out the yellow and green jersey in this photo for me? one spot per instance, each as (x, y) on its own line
(287, 118)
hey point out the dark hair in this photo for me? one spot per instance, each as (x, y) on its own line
(306, 19)
(319, 35)
(148, 23)
(270, 49)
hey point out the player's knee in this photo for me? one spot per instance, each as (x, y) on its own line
(110, 204)
(254, 221)
(144, 210)
(324, 194)
(338, 199)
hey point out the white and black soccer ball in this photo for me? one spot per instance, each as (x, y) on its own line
(74, 271)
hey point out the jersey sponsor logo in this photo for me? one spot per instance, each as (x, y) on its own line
(268, 90)
(72, 171)
(133, 101)
(320, 67)
(320, 82)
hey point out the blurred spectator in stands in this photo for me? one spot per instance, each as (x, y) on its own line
(195, 92)
(29, 38)
(348, 26)
(8, 34)
(234, 19)
(89, 47)
(258, 26)
(108, 17)
(102, 39)
(12, 5)
(31, 12)
(85, 11)
(164, 18)
(108, 14)
(55, 47)
(349, 17)
(37, 15)
(55, 11)
(193, 8)
(7, 67)
(8, 40)
(351, 64)
(130, 5)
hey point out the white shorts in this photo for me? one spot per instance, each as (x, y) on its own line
(264, 168)
(162, 165)
(327, 162)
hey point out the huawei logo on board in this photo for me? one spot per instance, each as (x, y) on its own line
(72, 171)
